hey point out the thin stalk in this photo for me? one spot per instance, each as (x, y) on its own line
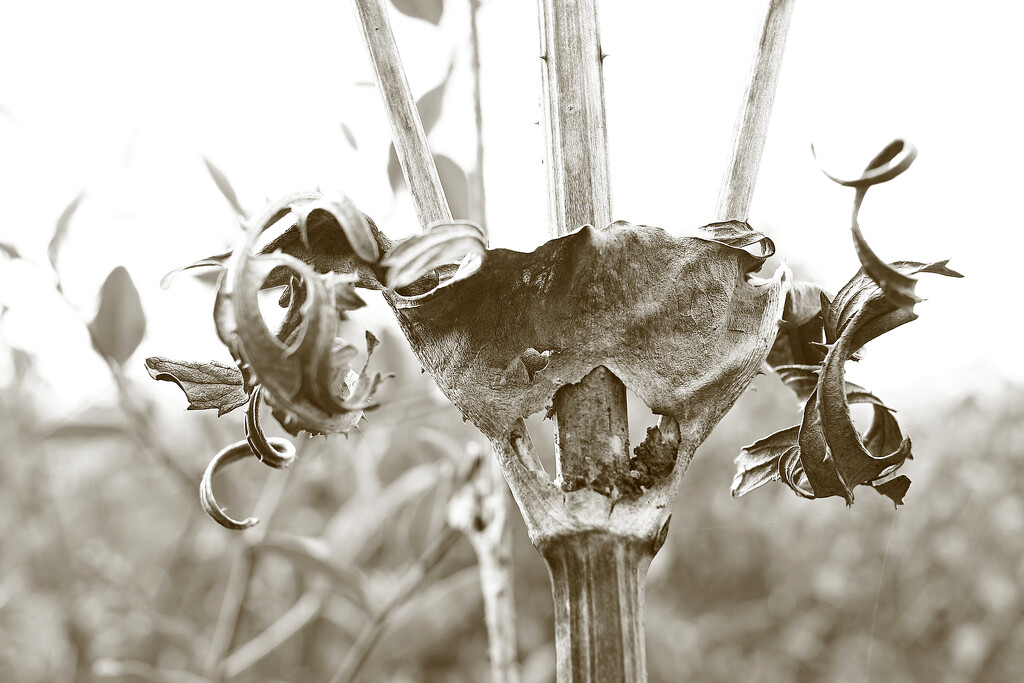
(410, 583)
(493, 547)
(493, 542)
(477, 195)
(406, 128)
(479, 509)
(755, 112)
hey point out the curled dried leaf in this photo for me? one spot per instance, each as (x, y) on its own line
(830, 457)
(303, 367)
(215, 261)
(228, 455)
(206, 385)
(263, 447)
(441, 244)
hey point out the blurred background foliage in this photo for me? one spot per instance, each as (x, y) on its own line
(109, 570)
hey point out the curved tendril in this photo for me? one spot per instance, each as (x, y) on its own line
(275, 452)
(228, 455)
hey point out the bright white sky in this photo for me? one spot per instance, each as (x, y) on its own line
(122, 98)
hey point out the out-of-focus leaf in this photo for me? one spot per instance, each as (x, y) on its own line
(431, 104)
(206, 385)
(455, 184)
(395, 176)
(361, 525)
(61, 231)
(224, 185)
(453, 181)
(9, 250)
(77, 431)
(441, 244)
(428, 10)
(349, 137)
(120, 323)
(112, 668)
(218, 261)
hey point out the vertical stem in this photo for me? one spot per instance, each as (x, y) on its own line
(577, 139)
(493, 547)
(492, 543)
(597, 579)
(588, 430)
(755, 112)
(477, 195)
(406, 128)
(598, 585)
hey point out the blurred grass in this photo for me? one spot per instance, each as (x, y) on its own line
(110, 571)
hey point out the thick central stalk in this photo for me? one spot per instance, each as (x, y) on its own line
(597, 578)
(590, 416)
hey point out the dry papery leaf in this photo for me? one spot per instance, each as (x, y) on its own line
(826, 455)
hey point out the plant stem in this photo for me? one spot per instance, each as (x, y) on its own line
(755, 112)
(479, 509)
(494, 555)
(406, 128)
(410, 583)
(493, 542)
(597, 580)
(590, 416)
(477, 195)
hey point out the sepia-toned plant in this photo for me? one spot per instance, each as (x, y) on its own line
(604, 306)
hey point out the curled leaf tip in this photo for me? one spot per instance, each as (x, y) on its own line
(228, 455)
(462, 242)
(215, 261)
(893, 160)
(277, 453)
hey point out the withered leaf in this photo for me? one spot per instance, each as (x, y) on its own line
(674, 318)
(758, 463)
(800, 334)
(9, 250)
(215, 261)
(831, 457)
(209, 385)
(441, 244)
(303, 367)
